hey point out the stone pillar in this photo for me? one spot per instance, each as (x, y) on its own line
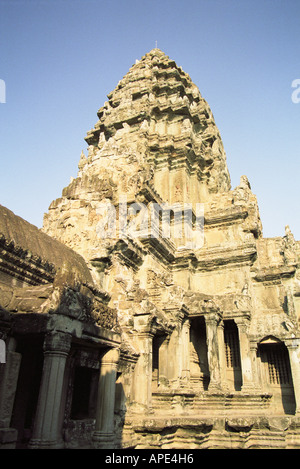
(103, 436)
(293, 347)
(163, 362)
(222, 355)
(246, 363)
(211, 321)
(185, 352)
(174, 357)
(9, 373)
(142, 378)
(255, 371)
(47, 431)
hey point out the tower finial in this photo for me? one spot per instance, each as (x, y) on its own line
(155, 44)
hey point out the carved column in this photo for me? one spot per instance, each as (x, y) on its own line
(255, 371)
(47, 431)
(185, 374)
(175, 361)
(103, 436)
(163, 362)
(211, 321)
(293, 347)
(246, 363)
(9, 373)
(142, 378)
(222, 355)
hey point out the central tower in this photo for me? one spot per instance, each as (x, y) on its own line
(199, 325)
(154, 130)
(157, 119)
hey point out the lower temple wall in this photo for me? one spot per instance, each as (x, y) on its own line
(222, 433)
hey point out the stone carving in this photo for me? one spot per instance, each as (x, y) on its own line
(183, 345)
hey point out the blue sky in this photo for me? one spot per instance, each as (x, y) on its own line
(60, 58)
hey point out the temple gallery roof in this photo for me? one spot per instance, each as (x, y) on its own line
(27, 239)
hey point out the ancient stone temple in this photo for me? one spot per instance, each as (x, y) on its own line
(150, 311)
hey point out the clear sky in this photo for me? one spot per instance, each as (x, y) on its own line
(60, 58)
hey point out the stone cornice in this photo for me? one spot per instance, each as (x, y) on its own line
(129, 253)
(23, 265)
(162, 248)
(226, 216)
(149, 194)
(274, 273)
(212, 258)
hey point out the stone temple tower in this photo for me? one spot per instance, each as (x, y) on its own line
(209, 330)
(155, 130)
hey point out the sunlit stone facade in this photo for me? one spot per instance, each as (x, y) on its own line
(159, 312)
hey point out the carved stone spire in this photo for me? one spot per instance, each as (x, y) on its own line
(157, 116)
(155, 130)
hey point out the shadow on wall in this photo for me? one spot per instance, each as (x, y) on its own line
(82, 408)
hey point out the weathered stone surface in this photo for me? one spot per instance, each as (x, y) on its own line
(156, 142)
(206, 327)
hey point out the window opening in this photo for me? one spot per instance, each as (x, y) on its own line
(278, 365)
(232, 349)
(84, 393)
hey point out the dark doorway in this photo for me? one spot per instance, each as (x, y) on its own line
(84, 397)
(28, 387)
(232, 355)
(199, 370)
